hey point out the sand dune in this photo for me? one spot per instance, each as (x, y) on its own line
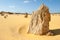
(14, 27)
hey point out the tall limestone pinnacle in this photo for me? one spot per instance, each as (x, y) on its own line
(40, 21)
(43, 7)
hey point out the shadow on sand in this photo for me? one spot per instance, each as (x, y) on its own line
(56, 31)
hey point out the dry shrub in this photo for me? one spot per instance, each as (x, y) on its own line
(10, 13)
(26, 15)
(2, 14)
(5, 16)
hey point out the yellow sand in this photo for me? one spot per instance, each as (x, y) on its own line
(15, 27)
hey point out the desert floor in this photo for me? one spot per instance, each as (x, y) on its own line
(15, 27)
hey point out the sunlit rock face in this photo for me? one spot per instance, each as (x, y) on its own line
(40, 21)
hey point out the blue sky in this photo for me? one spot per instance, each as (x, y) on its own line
(28, 5)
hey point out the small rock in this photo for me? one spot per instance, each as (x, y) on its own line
(49, 34)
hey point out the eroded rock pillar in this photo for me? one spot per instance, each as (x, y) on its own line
(40, 21)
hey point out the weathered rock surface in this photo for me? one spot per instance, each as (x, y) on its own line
(40, 21)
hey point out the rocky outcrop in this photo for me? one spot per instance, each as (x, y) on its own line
(40, 21)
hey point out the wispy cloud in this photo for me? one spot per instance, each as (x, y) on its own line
(12, 6)
(26, 1)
